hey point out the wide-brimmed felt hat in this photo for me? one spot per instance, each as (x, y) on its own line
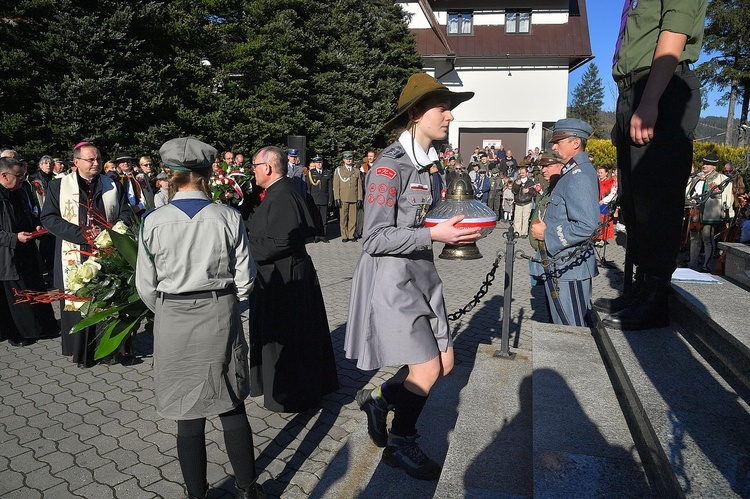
(419, 87)
(187, 154)
(711, 159)
(122, 158)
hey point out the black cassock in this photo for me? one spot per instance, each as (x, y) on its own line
(291, 354)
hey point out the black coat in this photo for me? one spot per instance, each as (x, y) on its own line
(291, 354)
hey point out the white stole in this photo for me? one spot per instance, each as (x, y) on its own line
(69, 209)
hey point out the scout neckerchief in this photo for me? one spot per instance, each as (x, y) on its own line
(69, 207)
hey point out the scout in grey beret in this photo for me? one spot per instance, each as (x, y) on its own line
(186, 154)
(571, 127)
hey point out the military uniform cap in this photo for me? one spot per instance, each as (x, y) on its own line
(186, 154)
(549, 158)
(122, 158)
(349, 154)
(571, 127)
(292, 152)
(711, 159)
(317, 157)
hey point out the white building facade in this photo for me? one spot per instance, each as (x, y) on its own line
(517, 61)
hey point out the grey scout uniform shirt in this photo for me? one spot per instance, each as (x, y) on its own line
(397, 312)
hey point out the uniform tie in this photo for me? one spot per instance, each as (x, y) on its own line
(623, 22)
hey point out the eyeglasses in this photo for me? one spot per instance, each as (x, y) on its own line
(147, 164)
(90, 160)
(258, 164)
(22, 176)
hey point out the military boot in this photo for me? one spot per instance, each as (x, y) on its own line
(648, 310)
(612, 305)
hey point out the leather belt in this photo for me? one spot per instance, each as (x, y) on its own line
(630, 79)
(196, 295)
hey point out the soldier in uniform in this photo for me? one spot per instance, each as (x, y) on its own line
(567, 224)
(658, 108)
(714, 211)
(397, 313)
(347, 194)
(320, 189)
(295, 171)
(194, 266)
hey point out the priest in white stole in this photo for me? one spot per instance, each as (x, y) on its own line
(68, 213)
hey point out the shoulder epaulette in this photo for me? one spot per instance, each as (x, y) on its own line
(394, 151)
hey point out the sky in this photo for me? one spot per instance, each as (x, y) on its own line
(604, 25)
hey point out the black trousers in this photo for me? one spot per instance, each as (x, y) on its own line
(653, 177)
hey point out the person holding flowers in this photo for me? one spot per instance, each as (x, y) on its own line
(76, 209)
(193, 268)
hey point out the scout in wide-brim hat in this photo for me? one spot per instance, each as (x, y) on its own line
(419, 87)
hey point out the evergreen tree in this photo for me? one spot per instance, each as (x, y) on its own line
(129, 75)
(727, 35)
(588, 97)
(331, 71)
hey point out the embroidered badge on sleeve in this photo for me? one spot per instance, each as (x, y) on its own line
(384, 171)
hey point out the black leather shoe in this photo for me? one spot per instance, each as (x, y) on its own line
(252, 491)
(649, 309)
(612, 305)
(21, 343)
(323, 240)
(407, 455)
(377, 414)
(345, 240)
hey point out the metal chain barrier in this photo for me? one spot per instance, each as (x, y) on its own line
(576, 257)
(483, 289)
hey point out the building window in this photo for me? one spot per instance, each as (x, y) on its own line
(460, 23)
(517, 22)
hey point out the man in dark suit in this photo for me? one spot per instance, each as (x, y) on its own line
(319, 187)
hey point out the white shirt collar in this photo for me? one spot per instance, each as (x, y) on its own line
(416, 154)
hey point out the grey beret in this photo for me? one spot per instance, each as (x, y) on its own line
(187, 153)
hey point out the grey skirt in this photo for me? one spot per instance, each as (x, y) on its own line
(200, 357)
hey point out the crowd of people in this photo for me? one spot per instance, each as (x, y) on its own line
(198, 258)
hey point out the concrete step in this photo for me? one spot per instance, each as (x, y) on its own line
(737, 264)
(702, 427)
(713, 317)
(582, 443)
(490, 454)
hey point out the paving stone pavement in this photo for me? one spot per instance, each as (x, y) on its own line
(94, 433)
